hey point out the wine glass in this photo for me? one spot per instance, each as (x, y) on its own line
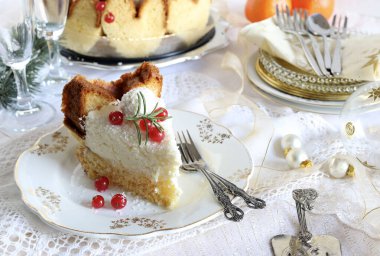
(50, 18)
(15, 51)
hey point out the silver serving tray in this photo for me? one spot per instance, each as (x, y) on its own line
(217, 42)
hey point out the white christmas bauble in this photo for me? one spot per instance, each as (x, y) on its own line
(338, 167)
(290, 141)
(295, 157)
(360, 123)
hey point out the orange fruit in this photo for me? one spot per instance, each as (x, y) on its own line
(324, 7)
(257, 10)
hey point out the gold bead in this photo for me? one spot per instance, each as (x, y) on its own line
(286, 151)
(350, 171)
(306, 164)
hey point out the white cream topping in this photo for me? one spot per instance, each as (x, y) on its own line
(119, 143)
(129, 101)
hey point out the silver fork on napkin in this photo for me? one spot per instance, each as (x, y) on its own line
(287, 24)
(192, 161)
(340, 31)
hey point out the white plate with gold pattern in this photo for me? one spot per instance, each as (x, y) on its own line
(54, 185)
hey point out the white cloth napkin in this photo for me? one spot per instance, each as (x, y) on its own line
(361, 54)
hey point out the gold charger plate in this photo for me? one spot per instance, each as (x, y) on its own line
(291, 80)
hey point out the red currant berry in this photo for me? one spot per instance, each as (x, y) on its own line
(142, 124)
(97, 201)
(101, 184)
(118, 201)
(100, 6)
(163, 115)
(109, 18)
(156, 135)
(116, 118)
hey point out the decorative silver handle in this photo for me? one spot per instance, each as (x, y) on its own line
(336, 67)
(251, 201)
(225, 185)
(305, 243)
(308, 54)
(231, 212)
(304, 202)
(318, 55)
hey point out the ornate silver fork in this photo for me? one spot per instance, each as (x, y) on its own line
(193, 162)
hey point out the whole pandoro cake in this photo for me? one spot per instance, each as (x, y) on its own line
(133, 28)
(125, 133)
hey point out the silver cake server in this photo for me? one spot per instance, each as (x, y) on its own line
(305, 243)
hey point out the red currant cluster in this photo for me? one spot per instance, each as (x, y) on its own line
(155, 134)
(100, 6)
(118, 201)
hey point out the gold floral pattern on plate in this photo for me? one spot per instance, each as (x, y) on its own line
(240, 175)
(374, 93)
(208, 134)
(59, 143)
(50, 199)
(142, 222)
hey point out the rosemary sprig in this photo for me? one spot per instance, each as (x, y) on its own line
(152, 117)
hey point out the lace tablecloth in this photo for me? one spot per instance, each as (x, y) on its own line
(339, 210)
(22, 232)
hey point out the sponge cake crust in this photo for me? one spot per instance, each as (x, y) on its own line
(80, 95)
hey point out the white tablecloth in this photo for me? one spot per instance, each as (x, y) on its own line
(218, 237)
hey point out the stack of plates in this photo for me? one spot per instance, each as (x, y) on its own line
(289, 85)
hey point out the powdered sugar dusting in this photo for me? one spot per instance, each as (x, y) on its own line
(130, 101)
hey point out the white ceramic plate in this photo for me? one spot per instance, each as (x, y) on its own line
(317, 106)
(54, 186)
